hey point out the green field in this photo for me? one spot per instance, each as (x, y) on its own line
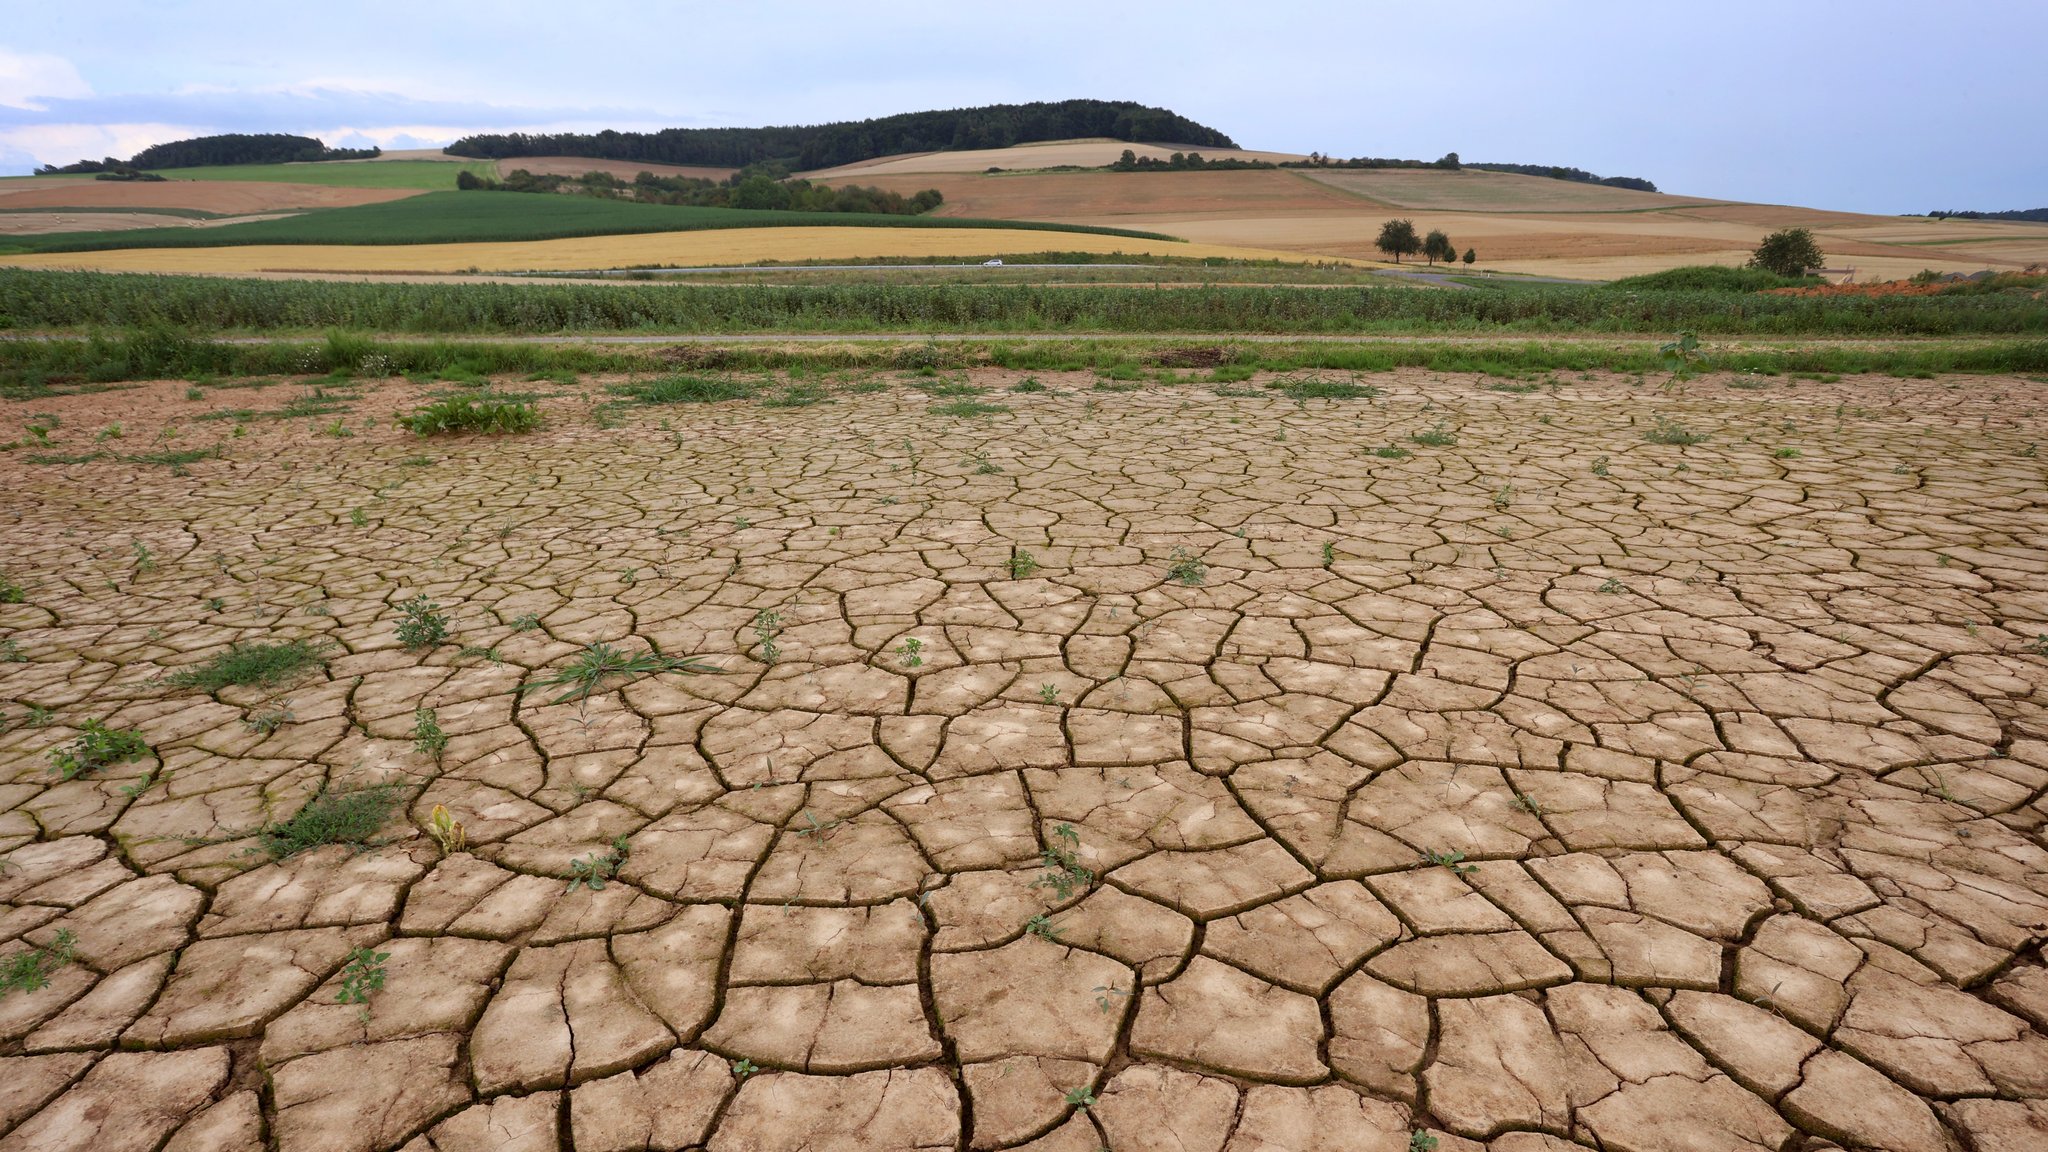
(434, 175)
(86, 301)
(456, 217)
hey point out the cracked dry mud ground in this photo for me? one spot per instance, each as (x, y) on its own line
(1744, 752)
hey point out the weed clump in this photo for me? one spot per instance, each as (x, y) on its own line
(1318, 388)
(598, 663)
(683, 390)
(30, 970)
(97, 747)
(967, 407)
(424, 624)
(1668, 431)
(475, 412)
(349, 816)
(1185, 568)
(255, 664)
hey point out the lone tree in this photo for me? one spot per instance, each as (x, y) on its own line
(1470, 256)
(1437, 246)
(1398, 239)
(1789, 252)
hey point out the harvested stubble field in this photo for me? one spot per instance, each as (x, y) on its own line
(1510, 764)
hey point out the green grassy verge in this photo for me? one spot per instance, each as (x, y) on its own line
(30, 369)
(82, 301)
(458, 217)
(429, 174)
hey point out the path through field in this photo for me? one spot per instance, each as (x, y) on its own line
(1160, 769)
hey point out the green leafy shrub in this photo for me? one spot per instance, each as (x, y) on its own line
(684, 390)
(476, 412)
(97, 747)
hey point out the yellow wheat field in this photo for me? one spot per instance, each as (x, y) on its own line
(682, 249)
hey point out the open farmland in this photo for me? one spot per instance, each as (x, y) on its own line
(1050, 154)
(422, 175)
(1241, 758)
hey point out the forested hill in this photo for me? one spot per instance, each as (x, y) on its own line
(828, 145)
(231, 148)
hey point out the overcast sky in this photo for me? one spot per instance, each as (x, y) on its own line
(1873, 105)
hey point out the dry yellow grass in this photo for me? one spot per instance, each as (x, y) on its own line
(1471, 190)
(723, 246)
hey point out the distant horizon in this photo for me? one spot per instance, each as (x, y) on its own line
(1881, 108)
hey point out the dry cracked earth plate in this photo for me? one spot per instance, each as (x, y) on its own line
(1549, 788)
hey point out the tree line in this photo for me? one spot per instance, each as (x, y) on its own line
(1449, 162)
(2037, 214)
(207, 151)
(1398, 238)
(758, 187)
(845, 142)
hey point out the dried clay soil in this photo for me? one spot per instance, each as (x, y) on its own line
(1732, 762)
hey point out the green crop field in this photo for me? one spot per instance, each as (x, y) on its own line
(91, 300)
(455, 217)
(435, 175)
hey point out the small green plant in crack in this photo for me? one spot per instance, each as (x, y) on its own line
(1022, 565)
(816, 827)
(983, 466)
(361, 976)
(1082, 1097)
(97, 747)
(1438, 435)
(593, 870)
(144, 560)
(30, 970)
(332, 816)
(1042, 927)
(526, 622)
(592, 669)
(2038, 646)
(11, 593)
(1450, 858)
(1061, 858)
(1785, 454)
(1106, 996)
(910, 653)
(1669, 431)
(1421, 1141)
(1612, 586)
(11, 653)
(768, 626)
(254, 664)
(264, 721)
(421, 623)
(1329, 553)
(150, 778)
(1600, 466)
(358, 517)
(479, 652)
(427, 737)
(744, 1068)
(1048, 694)
(1185, 568)
(1526, 803)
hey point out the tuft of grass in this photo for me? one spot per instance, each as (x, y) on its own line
(256, 664)
(599, 663)
(349, 816)
(30, 970)
(97, 747)
(683, 390)
(1318, 388)
(11, 593)
(967, 407)
(475, 412)
(1669, 431)
(1028, 384)
(1438, 435)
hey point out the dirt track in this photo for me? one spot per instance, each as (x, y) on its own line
(1730, 755)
